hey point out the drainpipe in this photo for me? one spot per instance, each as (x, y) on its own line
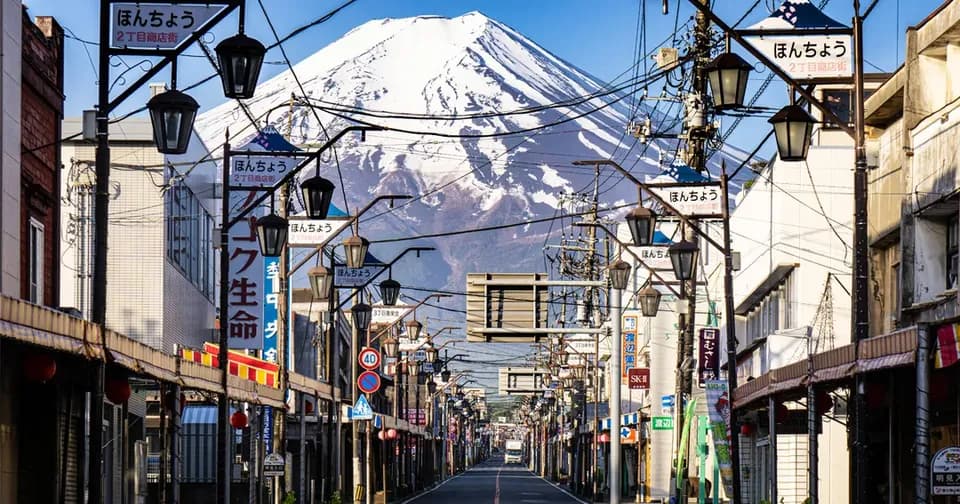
(921, 440)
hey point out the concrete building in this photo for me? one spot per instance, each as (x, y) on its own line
(161, 272)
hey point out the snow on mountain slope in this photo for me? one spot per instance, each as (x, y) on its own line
(448, 67)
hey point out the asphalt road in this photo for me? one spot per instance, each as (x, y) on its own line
(494, 482)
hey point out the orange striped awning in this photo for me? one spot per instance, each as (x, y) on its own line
(238, 364)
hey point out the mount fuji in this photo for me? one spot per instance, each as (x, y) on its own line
(474, 77)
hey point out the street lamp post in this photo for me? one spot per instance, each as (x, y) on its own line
(684, 259)
(105, 106)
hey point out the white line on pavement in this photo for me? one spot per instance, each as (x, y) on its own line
(428, 492)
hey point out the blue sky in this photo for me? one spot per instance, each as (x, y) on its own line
(597, 36)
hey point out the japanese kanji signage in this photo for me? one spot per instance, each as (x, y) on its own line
(628, 345)
(353, 277)
(313, 232)
(809, 56)
(245, 296)
(271, 307)
(260, 169)
(387, 314)
(656, 257)
(137, 25)
(945, 471)
(692, 200)
(708, 361)
(718, 410)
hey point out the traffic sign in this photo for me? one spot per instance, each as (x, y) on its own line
(369, 358)
(638, 378)
(273, 465)
(628, 435)
(368, 382)
(667, 401)
(361, 410)
(662, 423)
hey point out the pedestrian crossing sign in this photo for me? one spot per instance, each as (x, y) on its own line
(361, 410)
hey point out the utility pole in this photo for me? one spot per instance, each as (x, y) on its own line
(354, 427)
(698, 132)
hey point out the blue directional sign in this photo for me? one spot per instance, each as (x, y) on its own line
(667, 401)
(361, 410)
(378, 422)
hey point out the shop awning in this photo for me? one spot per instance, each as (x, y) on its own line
(772, 282)
(889, 351)
(44, 327)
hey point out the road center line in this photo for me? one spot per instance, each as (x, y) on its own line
(496, 494)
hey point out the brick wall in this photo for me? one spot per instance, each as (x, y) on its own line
(41, 115)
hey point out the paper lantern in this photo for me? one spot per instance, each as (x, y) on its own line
(746, 429)
(39, 367)
(382, 436)
(117, 389)
(308, 407)
(238, 420)
(391, 433)
(604, 438)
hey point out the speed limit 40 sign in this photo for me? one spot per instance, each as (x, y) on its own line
(369, 358)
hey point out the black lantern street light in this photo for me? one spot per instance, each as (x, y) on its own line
(272, 234)
(793, 127)
(727, 75)
(619, 271)
(361, 316)
(413, 329)
(355, 248)
(643, 224)
(431, 352)
(683, 255)
(649, 299)
(390, 346)
(241, 59)
(317, 194)
(172, 114)
(445, 375)
(389, 291)
(321, 281)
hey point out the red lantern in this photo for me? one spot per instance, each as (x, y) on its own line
(781, 413)
(238, 420)
(39, 367)
(308, 407)
(823, 402)
(604, 438)
(382, 435)
(746, 429)
(117, 389)
(391, 433)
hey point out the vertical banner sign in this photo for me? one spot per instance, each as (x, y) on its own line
(684, 437)
(718, 408)
(708, 361)
(268, 429)
(245, 295)
(271, 307)
(628, 346)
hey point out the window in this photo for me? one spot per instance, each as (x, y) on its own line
(35, 258)
(189, 233)
(953, 230)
